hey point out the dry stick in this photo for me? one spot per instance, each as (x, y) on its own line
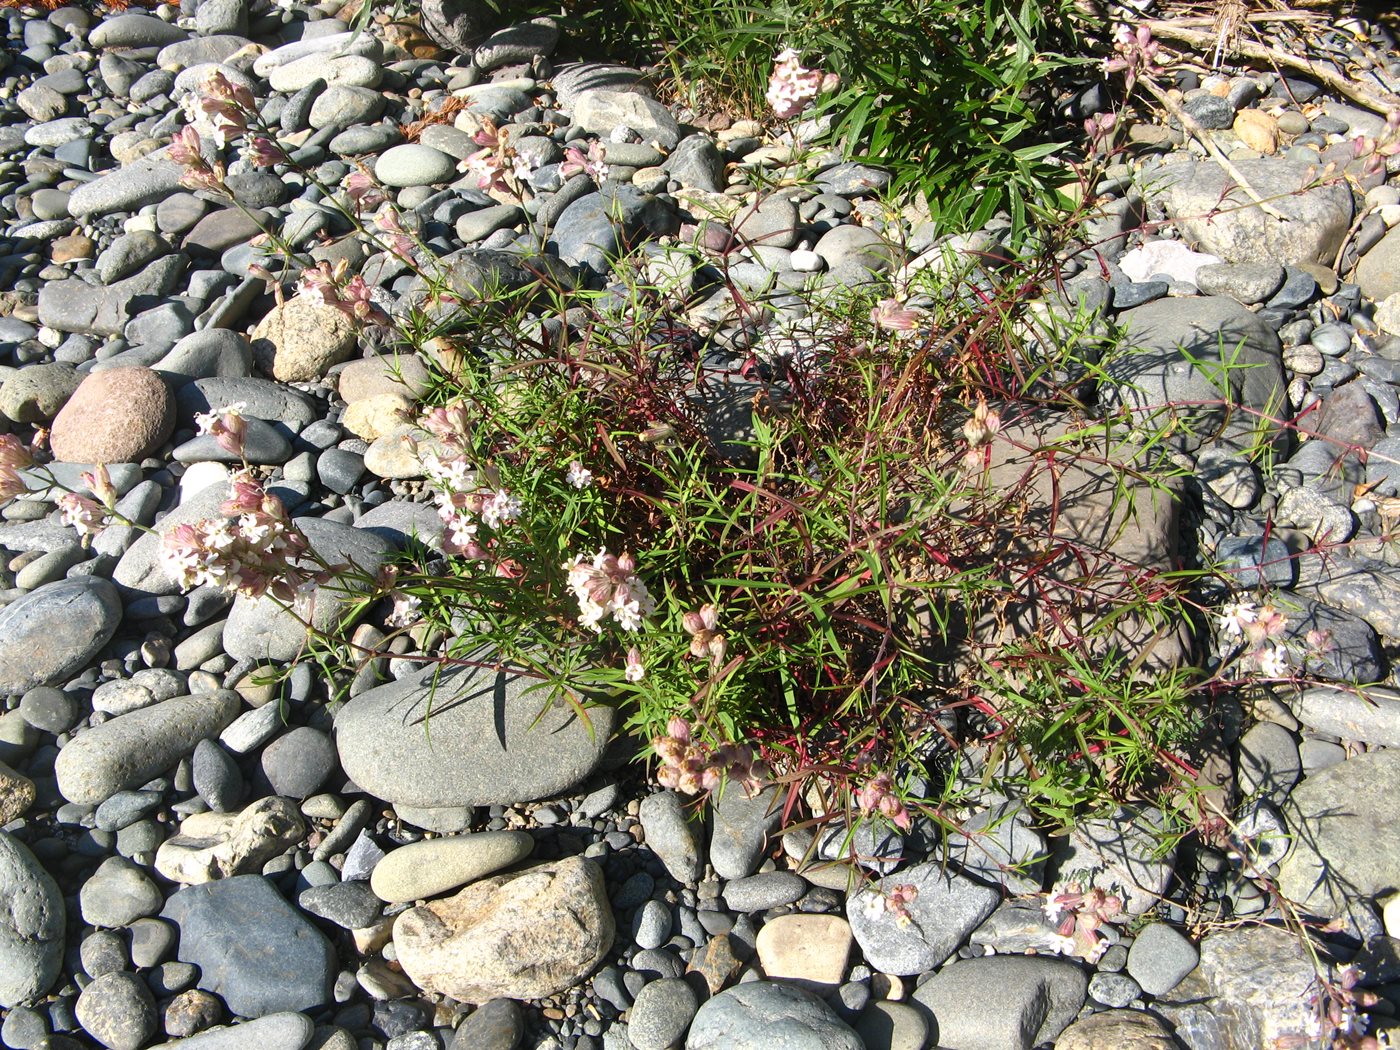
(1376, 99)
(1193, 129)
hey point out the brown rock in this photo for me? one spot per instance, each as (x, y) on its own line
(1117, 1030)
(192, 1011)
(520, 936)
(299, 339)
(810, 948)
(71, 248)
(1257, 130)
(717, 963)
(371, 418)
(16, 794)
(120, 415)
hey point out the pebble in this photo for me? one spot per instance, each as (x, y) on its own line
(426, 869)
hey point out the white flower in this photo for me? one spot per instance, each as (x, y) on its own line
(500, 508)
(1235, 616)
(633, 670)
(579, 476)
(1273, 662)
(405, 610)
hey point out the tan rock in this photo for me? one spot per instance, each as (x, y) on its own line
(373, 417)
(424, 869)
(521, 936)
(217, 845)
(1388, 314)
(71, 248)
(16, 794)
(120, 415)
(1257, 130)
(808, 948)
(1117, 1030)
(398, 454)
(717, 963)
(391, 374)
(300, 339)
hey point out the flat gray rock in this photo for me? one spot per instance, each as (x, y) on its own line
(470, 741)
(929, 928)
(280, 1031)
(765, 1015)
(31, 924)
(1003, 1002)
(52, 632)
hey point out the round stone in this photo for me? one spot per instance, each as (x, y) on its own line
(298, 763)
(118, 1011)
(120, 415)
(300, 339)
(661, 1014)
(413, 164)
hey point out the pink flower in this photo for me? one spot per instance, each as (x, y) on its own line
(357, 302)
(499, 508)
(262, 152)
(609, 586)
(982, 427)
(877, 795)
(84, 514)
(579, 476)
(792, 87)
(13, 454)
(1099, 128)
(705, 640)
(888, 314)
(897, 901)
(591, 164)
(11, 484)
(633, 670)
(450, 424)
(227, 427)
(362, 190)
(99, 483)
(185, 147)
(485, 166)
(404, 612)
(487, 135)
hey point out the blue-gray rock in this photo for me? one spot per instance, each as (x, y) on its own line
(1113, 989)
(35, 394)
(298, 762)
(413, 164)
(280, 1031)
(671, 835)
(651, 926)
(51, 633)
(217, 778)
(211, 352)
(129, 750)
(1001, 847)
(262, 444)
(1249, 283)
(1160, 957)
(1207, 353)
(31, 925)
(398, 520)
(134, 30)
(764, 1015)
(596, 227)
(695, 162)
(262, 399)
(261, 629)
(1035, 998)
(252, 948)
(1255, 561)
(1269, 765)
(661, 1014)
(517, 44)
(221, 16)
(1120, 854)
(118, 1010)
(117, 894)
(853, 180)
(350, 905)
(371, 138)
(1372, 716)
(494, 1025)
(760, 892)
(145, 181)
(76, 306)
(471, 740)
(770, 222)
(128, 253)
(946, 908)
(341, 107)
(741, 828)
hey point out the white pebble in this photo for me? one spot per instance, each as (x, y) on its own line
(806, 261)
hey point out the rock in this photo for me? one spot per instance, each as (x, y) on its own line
(671, 835)
(356, 71)
(413, 164)
(148, 180)
(1257, 130)
(1268, 764)
(1372, 717)
(344, 107)
(17, 794)
(1254, 982)
(1247, 283)
(517, 44)
(117, 894)
(1035, 999)
(35, 394)
(252, 948)
(134, 30)
(299, 340)
(192, 1011)
(600, 110)
(131, 749)
(495, 1025)
(805, 948)
(350, 905)
(51, 633)
(598, 226)
(1378, 272)
(1212, 211)
(400, 374)
(771, 222)
(1117, 1030)
(261, 629)
(373, 417)
(1001, 847)
(1121, 854)
(1160, 957)
(280, 1031)
(1203, 352)
(521, 936)
(120, 415)
(1341, 852)
(661, 1014)
(31, 925)
(763, 1015)
(118, 1011)
(425, 869)
(484, 746)
(741, 828)
(219, 845)
(945, 909)
(454, 25)
(200, 355)
(298, 762)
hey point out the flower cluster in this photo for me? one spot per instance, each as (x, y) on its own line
(897, 899)
(187, 150)
(226, 426)
(362, 191)
(878, 794)
(496, 166)
(1335, 1009)
(14, 457)
(465, 503)
(252, 550)
(83, 513)
(1261, 629)
(609, 585)
(579, 476)
(590, 164)
(792, 87)
(705, 640)
(1078, 915)
(1376, 151)
(1099, 129)
(1135, 54)
(692, 767)
(327, 286)
(892, 317)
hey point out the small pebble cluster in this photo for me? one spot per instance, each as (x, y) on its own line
(192, 855)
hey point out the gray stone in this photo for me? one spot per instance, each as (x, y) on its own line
(211, 352)
(117, 1010)
(425, 869)
(741, 828)
(1208, 354)
(413, 164)
(1113, 989)
(651, 926)
(1001, 847)
(696, 162)
(1121, 854)
(1160, 957)
(145, 181)
(252, 948)
(1342, 852)
(350, 905)
(771, 221)
(1035, 999)
(129, 750)
(763, 1015)
(134, 30)
(76, 306)
(279, 1031)
(916, 936)
(51, 633)
(600, 110)
(262, 444)
(853, 180)
(1268, 763)
(1371, 716)
(298, 762)
(471, 739)
(217, 778)
(261, 629)
(1248, 283)
(1218, 217)
(1378, 272)
(760, 892)
(661, 1014)
(494, 1025)
(596, 227)
(342, 107)
(117, 894)
(671, 835)
(517, 44)
(31, 925)
(35, 394)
